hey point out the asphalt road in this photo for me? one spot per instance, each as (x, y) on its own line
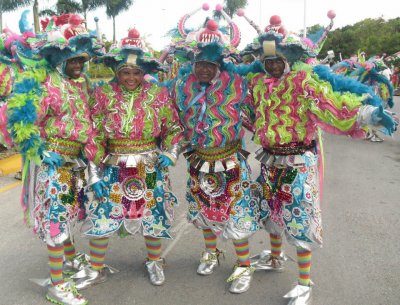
(359, 263)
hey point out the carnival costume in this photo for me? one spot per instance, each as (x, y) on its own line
(49, 120)
(136, 130)
(289, 110)
(222, 198)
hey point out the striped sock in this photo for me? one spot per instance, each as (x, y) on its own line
(276, 245)
(210, 240)
(69, 250)
(242, 251)
(98, 249)
(56, 258)
(304, 264)
(153, 246)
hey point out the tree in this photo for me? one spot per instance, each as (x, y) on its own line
(116, 7)
(10, 6)
(231, 6)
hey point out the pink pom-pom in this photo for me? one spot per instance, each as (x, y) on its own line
(219, 7)
(212, 25)
(240, 12)
(331, 14)
(205, 7)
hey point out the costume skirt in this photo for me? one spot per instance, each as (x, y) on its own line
(55, 199)
(220, 194)
(140, 199)
(291, 197)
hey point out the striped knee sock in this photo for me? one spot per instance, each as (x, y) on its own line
(56, 258)
(276, 245)
(210, 240)
(153, 246)
(69, 250)
(98, 249)
(304, 264)
(242, 251)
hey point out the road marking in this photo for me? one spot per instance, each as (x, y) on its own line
(180, 228)
(9, 186)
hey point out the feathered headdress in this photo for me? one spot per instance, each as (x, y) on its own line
(130, 56)
(58, 44)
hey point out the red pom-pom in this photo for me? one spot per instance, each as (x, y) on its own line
(75, 19)
(240, 12)
(133, 33)
(212, 25)
(205, 6)
(275, 20)
(331, 14)
(219, 7)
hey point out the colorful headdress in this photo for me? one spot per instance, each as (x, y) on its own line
(211, 52)
(292, 46)
(130, 56)
(71, 40)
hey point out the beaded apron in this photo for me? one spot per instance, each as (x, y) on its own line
(140, 198)
(220, 194)
(58, 194)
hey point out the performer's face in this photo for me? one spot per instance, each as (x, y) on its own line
(274, 67)
(74, 67)
(205, 71)
(130, 78)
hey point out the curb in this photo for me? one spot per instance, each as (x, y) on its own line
(10, 165)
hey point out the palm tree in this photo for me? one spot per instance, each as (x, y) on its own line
(10, 6)
(116, 7)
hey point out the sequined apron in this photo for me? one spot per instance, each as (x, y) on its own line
(220, 194)
(140, 198)
(58, 194)
(290, 180)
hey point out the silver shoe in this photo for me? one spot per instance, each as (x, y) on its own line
(299, 295)
(265, 261)
(65, 294)
(209, 260)
(79, 262)
(88, 277)
(155, 269)
(241, 279)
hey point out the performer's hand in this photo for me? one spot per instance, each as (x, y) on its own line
(52, 158)
(386, 119)
(100, 189)
(165, 161)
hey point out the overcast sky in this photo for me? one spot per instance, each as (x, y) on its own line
(153, 18)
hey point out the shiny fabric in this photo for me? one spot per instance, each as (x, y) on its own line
(291, 201)
(299, 295)
(241, 279)
(227, 202)
(57, 199)
(265, 261)
(65, 294)
(155, 269)
(140, 200)
(133, 127)
(208, 262)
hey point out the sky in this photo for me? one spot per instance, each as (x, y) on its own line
(153, 18)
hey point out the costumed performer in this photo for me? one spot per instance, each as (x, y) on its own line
(222, 198)
(138, 138)
(291, 104)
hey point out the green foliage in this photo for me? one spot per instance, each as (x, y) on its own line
(12, 5)
(99, 71)
(373, 36)
(231, 6)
